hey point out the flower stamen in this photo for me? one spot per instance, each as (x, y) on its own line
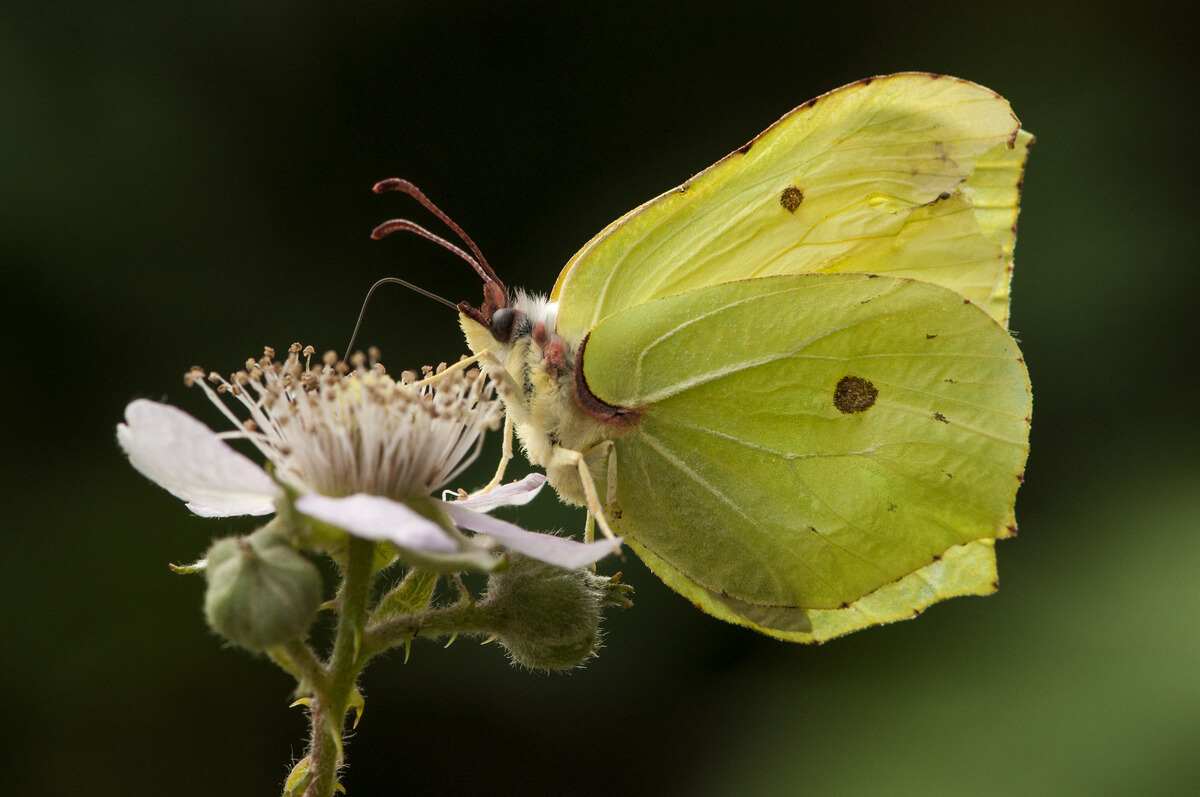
(341, 429)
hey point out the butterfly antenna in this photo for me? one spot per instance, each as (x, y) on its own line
(478, 262)
(363, 312)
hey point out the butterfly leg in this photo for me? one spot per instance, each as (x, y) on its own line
(505, 387)
(610, 497)
(589, 529)
(596, 512)
(506, 454)
(437, 376)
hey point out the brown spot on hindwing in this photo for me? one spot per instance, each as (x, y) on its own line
(591, 404)
(854, 394)
(790, 198)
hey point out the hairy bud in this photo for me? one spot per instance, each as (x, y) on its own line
(547, 618)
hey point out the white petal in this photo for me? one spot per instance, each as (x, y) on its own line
(374, 517)
(187, 459)
(545, 547)
(516, 493)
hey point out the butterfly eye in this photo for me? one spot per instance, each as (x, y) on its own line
(502, 324)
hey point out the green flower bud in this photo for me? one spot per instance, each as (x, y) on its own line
(547, 618)
(261, 591)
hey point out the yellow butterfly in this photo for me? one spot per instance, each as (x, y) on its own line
(788, 382)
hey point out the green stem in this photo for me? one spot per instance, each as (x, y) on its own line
(299, 661)
(330, 704)
(463, 618)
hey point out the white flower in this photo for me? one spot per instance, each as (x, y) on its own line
(354, 444)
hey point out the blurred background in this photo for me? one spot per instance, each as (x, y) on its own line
(185, 183)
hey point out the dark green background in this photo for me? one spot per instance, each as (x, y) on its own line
(184, 183)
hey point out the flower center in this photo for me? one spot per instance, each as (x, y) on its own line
(340, 429)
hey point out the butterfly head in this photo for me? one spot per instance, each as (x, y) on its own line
(516, 331)
(513, 331)
(527, 315)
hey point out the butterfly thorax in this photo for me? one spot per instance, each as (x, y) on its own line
(536, 377)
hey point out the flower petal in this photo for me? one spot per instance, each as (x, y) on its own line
(185, 457)
(516, 493)
(558, 551)
(374, 517)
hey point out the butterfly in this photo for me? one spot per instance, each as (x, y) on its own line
(788, 382)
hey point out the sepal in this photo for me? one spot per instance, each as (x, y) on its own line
(411, 596)
(298, 779)
(199, 566)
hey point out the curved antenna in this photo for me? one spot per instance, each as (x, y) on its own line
(363, 312)
(495, 294)
(397, 184)
(404, 225)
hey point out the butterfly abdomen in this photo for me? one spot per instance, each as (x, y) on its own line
(554, 423)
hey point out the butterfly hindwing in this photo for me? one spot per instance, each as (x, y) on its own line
(806, 442)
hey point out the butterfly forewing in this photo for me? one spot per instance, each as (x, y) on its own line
(842, 183)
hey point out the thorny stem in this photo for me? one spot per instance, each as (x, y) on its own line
(334, 684)
(463, 618)
(328, 715)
